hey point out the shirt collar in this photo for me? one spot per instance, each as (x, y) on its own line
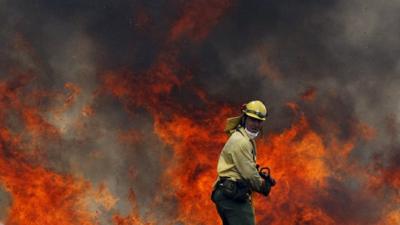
(241, 130)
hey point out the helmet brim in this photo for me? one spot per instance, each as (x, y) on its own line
(252, 115)
(255, 116)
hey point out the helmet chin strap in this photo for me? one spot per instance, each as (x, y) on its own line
(252, 135)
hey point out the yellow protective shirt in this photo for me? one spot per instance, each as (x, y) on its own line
(238, 160)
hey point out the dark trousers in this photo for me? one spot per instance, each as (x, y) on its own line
(233, 212)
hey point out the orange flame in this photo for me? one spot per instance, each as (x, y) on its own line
(198, 18)
(302, 159)
(39, 196)
(43, 197)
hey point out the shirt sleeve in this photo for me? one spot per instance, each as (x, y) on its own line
(243, 160)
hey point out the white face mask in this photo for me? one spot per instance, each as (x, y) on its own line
(252, 135)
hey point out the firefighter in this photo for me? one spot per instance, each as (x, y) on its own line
(238, 176)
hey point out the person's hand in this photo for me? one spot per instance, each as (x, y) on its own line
(268, 178)
(265, 173)
(271, 180)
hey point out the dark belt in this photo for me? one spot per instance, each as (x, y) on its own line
(221, 181)
(236, 190)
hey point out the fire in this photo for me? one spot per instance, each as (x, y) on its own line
(198, 18)
(43, 197)
(193, 176)
(392, 218)
(191, 181)
(313, 168)
(300, 158)
(297, 159)
(39, 196)
(104, 197)
(134, 218)
(309, 94)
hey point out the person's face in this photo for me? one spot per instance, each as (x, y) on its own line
(253, 125)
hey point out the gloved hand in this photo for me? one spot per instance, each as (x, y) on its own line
(265, 173)
(268, 178)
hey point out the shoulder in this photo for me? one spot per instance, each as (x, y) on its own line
(240, 141)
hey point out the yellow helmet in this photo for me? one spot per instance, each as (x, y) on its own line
(255, 109)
